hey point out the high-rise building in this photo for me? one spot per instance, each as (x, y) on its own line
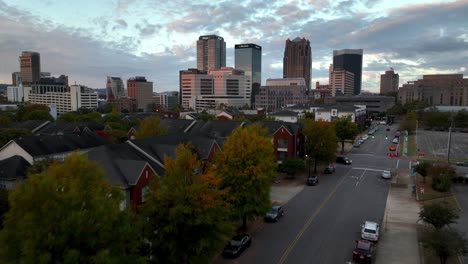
(211, 52)
(141, 90)
(15, 93)
(248, 57)
(30, 67)
(279, 93)
(16, 78)
(297, 61)
(115, 88)
(350, 60)
(341, 82)
(226, 86)
(389, 82)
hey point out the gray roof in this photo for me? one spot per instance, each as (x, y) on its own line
(122, 163)
(272, 126)
(217, 129)
(307, 106)
(66, 127)
(284, 113)
(13, 168)
(31, 125)
(43, 145)
(339, 107)
(176, 125)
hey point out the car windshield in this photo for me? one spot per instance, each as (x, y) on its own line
(363, 247)
(274, 210)
(372, 231)
(235, 243)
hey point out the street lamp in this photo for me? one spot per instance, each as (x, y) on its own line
(308, 163)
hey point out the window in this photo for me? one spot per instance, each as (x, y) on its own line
(144, 191)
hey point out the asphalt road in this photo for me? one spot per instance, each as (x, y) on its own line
(322, 222)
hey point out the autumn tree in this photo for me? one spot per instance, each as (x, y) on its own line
(24, 109)
(445, 243)
(247, 165)
(438, 214)
(409, 122)
(67, 214)
(151, 126)
(185, 213)
(442, 175)
(345, 130)
(320, 143)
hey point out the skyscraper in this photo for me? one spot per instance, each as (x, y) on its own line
(350, 60)
(248, 57)
(30, 67)
(297, 61)
(211, 52)
(141, 90)
(389, 82)
(114, 88)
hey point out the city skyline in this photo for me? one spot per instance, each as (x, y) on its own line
(137, 38)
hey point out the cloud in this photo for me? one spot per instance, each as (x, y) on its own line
(120, 24)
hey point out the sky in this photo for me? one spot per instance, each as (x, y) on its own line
(91, 39)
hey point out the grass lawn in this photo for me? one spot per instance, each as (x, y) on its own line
(412, 149)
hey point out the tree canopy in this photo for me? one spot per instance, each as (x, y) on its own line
(188, 210)
(7, 134)
(438, 214)
(67, 214)
(247, 165)
(320, 143)
(345, 130)
(38, 115)
(445, 243)
(292, 166)
(151, 126)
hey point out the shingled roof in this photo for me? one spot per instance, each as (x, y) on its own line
(217, 129)
(273, 126)
(13, 168)
(66, 127)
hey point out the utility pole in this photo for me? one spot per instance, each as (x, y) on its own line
(449, 138)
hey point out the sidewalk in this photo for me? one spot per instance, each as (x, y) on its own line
(399, 239)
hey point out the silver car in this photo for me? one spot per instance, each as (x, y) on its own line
(386, 174)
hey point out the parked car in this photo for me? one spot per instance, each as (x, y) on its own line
(356, 145)
(370, 231)
(274, 214)
(386, 174)
(343, 159)
(360, 141)
(312, 180)
(395, 141)
(237, 245)
(392, 148)
(365, 137)
(363, 251)
(388, 129)
(462, 163)
(329, 169)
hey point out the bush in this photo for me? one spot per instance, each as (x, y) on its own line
(442, 175)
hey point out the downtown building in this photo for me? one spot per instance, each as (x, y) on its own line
(389, 82)
(297, 60)
(211, 52)
(350, 60)
(248, 57)
(30, 67)
(142, 91)
(56, 94)
(341, 82)
(436, 89)
(115, 88)
(202, 90)
(280, 93)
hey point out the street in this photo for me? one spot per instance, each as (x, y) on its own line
(322, 222)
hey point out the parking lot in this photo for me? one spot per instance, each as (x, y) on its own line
(434, 144)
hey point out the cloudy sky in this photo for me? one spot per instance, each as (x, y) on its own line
(91, 39)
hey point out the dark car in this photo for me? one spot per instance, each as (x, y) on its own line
(388, 129)
(237, 245)
(462, 163)
(363, 251)
(329, 170)
(344, 160)
(312, 180)
(274, 214)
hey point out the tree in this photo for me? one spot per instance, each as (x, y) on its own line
(442, 175)
(38, 115)
(247, 165)
(67, 214)
(150, 127)
(188, 211)
(23, 109)
(70, 117)
(345, 130)
(438, 214)
(4, 206)
(292, 166)
(444, 243)
(423, 169)
(409, 122)
(5, 120)
(320, 143)
(7, 134)
(115, 136)
(40, 166)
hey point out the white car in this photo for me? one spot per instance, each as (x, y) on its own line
(386, 174)
(365, 137)
(370, 231)
(395, 141)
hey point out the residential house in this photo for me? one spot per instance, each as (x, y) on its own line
(287, 116)
(331, 113)
(12, 171)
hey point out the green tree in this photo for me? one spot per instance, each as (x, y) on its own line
(5, 120)
(442, 175)
(70, 117)
(445, 243)
(247, 165)
(423, 169)
(23, 109)
(188, 210)
(292, 166)
(206, 117)
(320, 143)
(67, 214)
(38, 115)
(115, 136)
(40, 166)
(409, 122)
(150, 127)
(345, 130)
(4, 206)
(7, 134)
(438, 214)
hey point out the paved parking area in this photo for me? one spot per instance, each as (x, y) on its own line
(435, 144)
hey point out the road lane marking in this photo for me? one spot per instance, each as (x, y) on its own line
(307, 224)
(369, 169)
(397, 162)
(360, 178)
